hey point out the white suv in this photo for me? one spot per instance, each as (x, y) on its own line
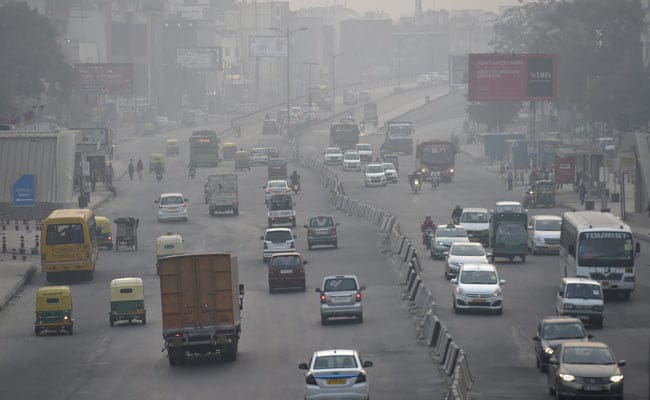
(478, 287)
(365, 151)
(351, 161)
(374, 175)
(581, 298)
(277, 240)
(172, 206)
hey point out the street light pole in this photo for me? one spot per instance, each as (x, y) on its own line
(309, 65)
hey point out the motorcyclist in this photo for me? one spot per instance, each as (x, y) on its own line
(191, 170)
(427, 224)
(295, 178)
(158, 170)
(455, 215)
(138, 168)
(435, 179)
(131, 169)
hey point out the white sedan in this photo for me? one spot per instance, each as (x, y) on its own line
(333, 156)
(375, 175)
(464, 253)
(336, 374)
(390, 171)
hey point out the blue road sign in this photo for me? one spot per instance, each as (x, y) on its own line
(24, 193)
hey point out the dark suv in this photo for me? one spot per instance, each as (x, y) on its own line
(321, 230)
(285, 271)
(553, 331)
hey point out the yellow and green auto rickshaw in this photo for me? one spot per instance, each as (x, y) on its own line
(171, 147)
(127, 301)
(156, 160)
(149, 129)
(53, 310)
(229, 150)
(242, 160)
(104, 232)
(168, 244)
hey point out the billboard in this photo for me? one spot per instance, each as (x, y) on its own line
(267, 46)
(511, 77)
(565, 169)
(199, 57)
(111, 78)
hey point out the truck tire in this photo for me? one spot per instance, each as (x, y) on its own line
(229, 352)
(235, 211)
(176, 357)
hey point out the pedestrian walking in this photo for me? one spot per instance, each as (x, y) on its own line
(582, 192)
(510, 178)
(109, 174)
(93, 179)
(131, 169)
(138, 168)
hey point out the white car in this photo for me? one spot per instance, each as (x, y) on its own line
(333, 156)
(478, 287)
(277, 240)
(424, 80)
(544, 234)
(275, 187)
(258, 156)
(390, 171)
(476, 222)
(351, 161)
(172, 206)
(365, 151)
(365, 96)
(464, 253)
(374, 175)
(336, 374)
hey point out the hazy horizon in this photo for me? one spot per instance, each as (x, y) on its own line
(403, 8)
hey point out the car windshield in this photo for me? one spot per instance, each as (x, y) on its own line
(277, 162)
(321, 222)
(257, 152)
(277, 185)
(340, 285)
(171, 200)
(474, 217)
(583, 291)
(451, 232)
(333, 362)
(478, 277)
(467, 251)
(551, 225)
(352, 156)
(374, 169)
(388, 166)
(510, 208)
(587, 355)
(563, 331)
(278, 236)
(602, 248)
(333, 151)
(363, 147)
(508, 231)
(285, 261)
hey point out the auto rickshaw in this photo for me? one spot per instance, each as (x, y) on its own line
(149, 128)
(171, 147)
(53, 310)
(127, 301)
(104, 232)
(242, 160)
(156, 160)
(540, 194)
(168, 245)
(126, 233)
(229, 150)
(392, 158)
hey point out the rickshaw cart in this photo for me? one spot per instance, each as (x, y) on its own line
(171, 147)
(127, 233)
(127, 301)
(53, 310)
(104, 232)
(168, 245)
(540, 194)
(229, 150)
(156, 160)
(242, 161)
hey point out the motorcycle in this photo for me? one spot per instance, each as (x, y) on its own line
(296, 188)
(415, 186)
(427, 235)
(140, 174)
(192, 173)
(159, 176)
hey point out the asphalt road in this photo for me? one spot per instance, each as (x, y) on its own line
(499, 348)
(279, 330)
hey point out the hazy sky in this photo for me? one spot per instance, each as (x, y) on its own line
(402, 8)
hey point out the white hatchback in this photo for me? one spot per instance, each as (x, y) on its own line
(374, 175)
(275, 187)
(351, 161)
(172, 206)
(365, 151)
(390, 171)
(478, 287)
(277, 240)
(333, 156)
(336, 374)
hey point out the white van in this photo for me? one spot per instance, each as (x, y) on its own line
(581, 298)
(477, 224)
(544, 234)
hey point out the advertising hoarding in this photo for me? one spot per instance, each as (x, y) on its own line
(511, 77)
(564, 169)
(199, 57)
(107, 78)
(267, 46)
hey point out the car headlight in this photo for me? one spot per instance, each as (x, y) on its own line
(616, 378)
(440, 244)
(539, 239)
(567, 377)
(460, 291)
(497, 292)
(568, 306)
(597, 308)
(548, 349)
(451, 171)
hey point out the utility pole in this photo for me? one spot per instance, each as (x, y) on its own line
(334, 83)
(288, 33)
(309, 65)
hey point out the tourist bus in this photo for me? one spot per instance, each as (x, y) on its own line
(69, 244)
(599, 246)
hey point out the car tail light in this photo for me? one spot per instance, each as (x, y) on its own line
(323, 298)
(286, 190)
(177, 334)
(160, 205)
(291, 217)
(273, 219)
(267, 190)
(358, 296)
(360, 378)
(110, 238)
(310, 380)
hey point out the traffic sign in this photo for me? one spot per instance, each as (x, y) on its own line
(24, 192)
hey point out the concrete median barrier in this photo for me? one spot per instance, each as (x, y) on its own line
(426, 326)
(423, 299)
(462, 372)
(415, 288)
(439, 347)
(449, 361)
(444, 345)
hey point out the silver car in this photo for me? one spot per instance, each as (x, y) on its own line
(275, 187)
(340, 296)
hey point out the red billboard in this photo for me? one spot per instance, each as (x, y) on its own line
(110, 78)
(564, 169)
(511, 77)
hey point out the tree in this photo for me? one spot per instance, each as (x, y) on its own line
(31, 64)
(494, 114)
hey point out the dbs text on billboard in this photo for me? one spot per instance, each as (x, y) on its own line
(511, 77)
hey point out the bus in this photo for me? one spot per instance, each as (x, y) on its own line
(399, 137)
(436, 155)
(204, 148)
(69, 244)
(344, 135)
(599, 246)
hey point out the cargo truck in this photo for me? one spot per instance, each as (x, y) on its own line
(201, 303)
(222, 193)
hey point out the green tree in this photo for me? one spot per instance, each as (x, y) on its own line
(31, 63)
(494, 114)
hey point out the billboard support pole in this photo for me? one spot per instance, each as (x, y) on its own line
(531, 131)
